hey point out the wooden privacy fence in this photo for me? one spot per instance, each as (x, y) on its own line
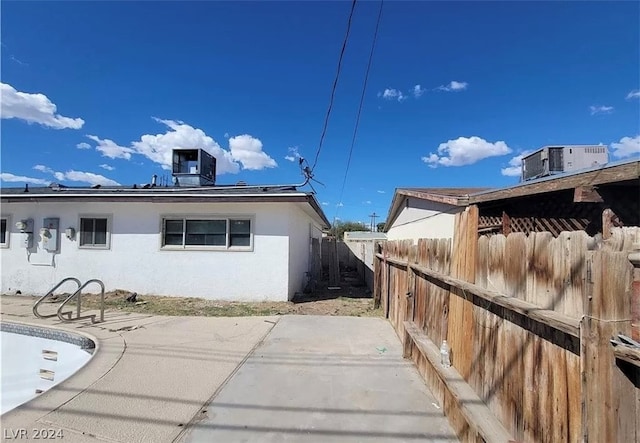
(529, 321)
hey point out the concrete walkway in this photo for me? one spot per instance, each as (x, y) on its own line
(199, 379)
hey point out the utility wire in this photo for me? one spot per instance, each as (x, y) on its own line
(364, 90)
(335, 84)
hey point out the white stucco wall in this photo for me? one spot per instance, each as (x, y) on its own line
(301, 229)
(423, 219)
(363, 252)
(136, 262)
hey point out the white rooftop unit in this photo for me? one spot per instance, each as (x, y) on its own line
(551, 160)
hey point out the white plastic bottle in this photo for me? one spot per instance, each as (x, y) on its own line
(445, 359)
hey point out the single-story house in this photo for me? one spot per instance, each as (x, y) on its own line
(245, 243)
(563, 202)
(425, 212)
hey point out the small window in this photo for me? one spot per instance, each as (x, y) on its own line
(173, 232)
(94, 232)
(4, 233)
(240, 233)
(209, 233)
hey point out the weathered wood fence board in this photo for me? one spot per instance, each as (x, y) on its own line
(607, 315)
(528, 319)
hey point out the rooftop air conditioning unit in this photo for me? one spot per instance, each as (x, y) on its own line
(193, 167)
(551, 160)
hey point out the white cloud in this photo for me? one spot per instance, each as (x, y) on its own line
(107, 167)
(368, 202)
(248, 151)
(453, 86)
(158, 148)
(7, 177)
(626, 147)
(34, 108)
(595, 110)
(633, 94)
(43, 168)
(381, 192)
(293, 154)
(340, 205)
(111, 149)
(85, 177)
(465, 151)
(245, 151)
(418, 91)
(392, 94)
(18, 61)
(83, 145)
(78, 176)
(325, 203)
(515, 165)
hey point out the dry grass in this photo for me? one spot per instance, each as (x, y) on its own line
(321, 304)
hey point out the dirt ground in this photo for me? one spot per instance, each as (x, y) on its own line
(352, 299)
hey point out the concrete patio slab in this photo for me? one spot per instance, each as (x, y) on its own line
(201, 379)
(319, 379)
(142, 385)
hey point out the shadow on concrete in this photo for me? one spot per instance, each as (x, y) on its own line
(293, 430)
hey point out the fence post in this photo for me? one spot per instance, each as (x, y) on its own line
(334, 266)
(410, 297)
(377, 275)
(463, 266)
(609, 395)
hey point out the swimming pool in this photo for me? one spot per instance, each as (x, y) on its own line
(34, 359)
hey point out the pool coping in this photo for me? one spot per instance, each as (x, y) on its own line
(85, 342)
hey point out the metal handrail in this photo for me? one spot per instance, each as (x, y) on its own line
(51, 291)
(78, 293)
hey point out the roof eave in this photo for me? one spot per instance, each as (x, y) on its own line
(313, 202)
(592, 177)
(401, 194)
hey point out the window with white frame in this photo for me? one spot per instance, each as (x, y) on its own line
(4, 232)
(94, 232)
(216, 233)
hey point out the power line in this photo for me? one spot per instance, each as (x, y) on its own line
(335, 84)
(364, 90)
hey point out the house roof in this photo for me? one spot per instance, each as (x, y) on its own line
(449, 196)
(616, 172)
(603, 174)
(227, 194)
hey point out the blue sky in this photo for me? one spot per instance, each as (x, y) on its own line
(456, 91)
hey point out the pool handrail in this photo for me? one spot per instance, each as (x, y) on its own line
(78, 293)
(51, 291)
